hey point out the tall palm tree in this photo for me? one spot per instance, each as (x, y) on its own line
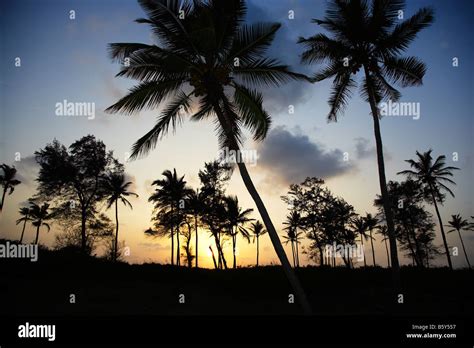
(38, 217)
(434, 176)
(257, 229)
(382, 230)
(459, 224)
(293, 222)
(7, 181)
(204, 55)
(371, 222)
(117, 189)
(25, 217)
(368, 38)
(359, 226)
(236, 219)
(169, 196)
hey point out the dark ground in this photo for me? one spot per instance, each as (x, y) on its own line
(103, 288)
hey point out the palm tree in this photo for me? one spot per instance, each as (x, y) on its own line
(382, 230)
(194, 207)
(25, 217)
(368, 38)
(38, 216)
(293, 222)
(434, 176)
(169, 197)
(203, 55)
(371, 222)
(459, 224)
(117, 189)
(359, 226)
(236, 220)
(257, 229)
(7, 181)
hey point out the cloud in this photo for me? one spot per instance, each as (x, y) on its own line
(293, 157)
(152, 246)
(27, 170)
(363, 149)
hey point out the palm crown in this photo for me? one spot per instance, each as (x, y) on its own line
(207, 61)
(366, 37)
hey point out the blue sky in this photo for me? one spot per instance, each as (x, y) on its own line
(67, 59)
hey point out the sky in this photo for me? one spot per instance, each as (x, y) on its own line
(66, 59)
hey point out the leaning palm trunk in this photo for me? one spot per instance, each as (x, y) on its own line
(383, 184)
(196, 231)
(37, 234)
(23, 230)
(290, 274)
(372, 245)
(363, 249)
(464, 249)
(3, 199)
(445, 242)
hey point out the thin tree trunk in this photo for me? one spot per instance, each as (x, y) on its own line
(3, 199)
(463, 248)
(290, 273)
(388, 255)
(297, 252)
(383, 185)
(116, 231)
(213, 257)
(234, 242)
(372, 245)
(196, 230)
(37, 233)
(293, 253)
(363, 249)
(445, 242)
(178, 256)
(23, 230)
(257, 250)
(83, 231)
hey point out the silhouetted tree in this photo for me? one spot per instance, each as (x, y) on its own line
(371, 223)
(434, 176)
(7, 181)
(209, 49)
(359, 226)
(257, 229)
(117, 189)
(459, 224)
(75, 176)
(25, 217)
(38, 217)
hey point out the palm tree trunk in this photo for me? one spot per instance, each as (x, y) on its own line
(172, 245)
(445, 242)
(234, 242)
(23, 230)
(388, 255)
(293, 253)
(372, 245)
(83, 230)
(383, 185)
(116, 231)
(463, 248)
(363, 249)
(37, 233)
(3, 198)
(196, 231)
(178, 256)
(297, 256)
(290, 273)
(257, 250)
(213, 257)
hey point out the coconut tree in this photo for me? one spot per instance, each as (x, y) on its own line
(368, 37)
(25, 217)
(38, 217)
(459, 224)
(169, 197)
(116, 188)
(208, 63)
(257, 229)
(434, 176)
(236, 218)
(359, 226)
(293, 222)
(7, 181)
(371, 222)
(194, 207)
